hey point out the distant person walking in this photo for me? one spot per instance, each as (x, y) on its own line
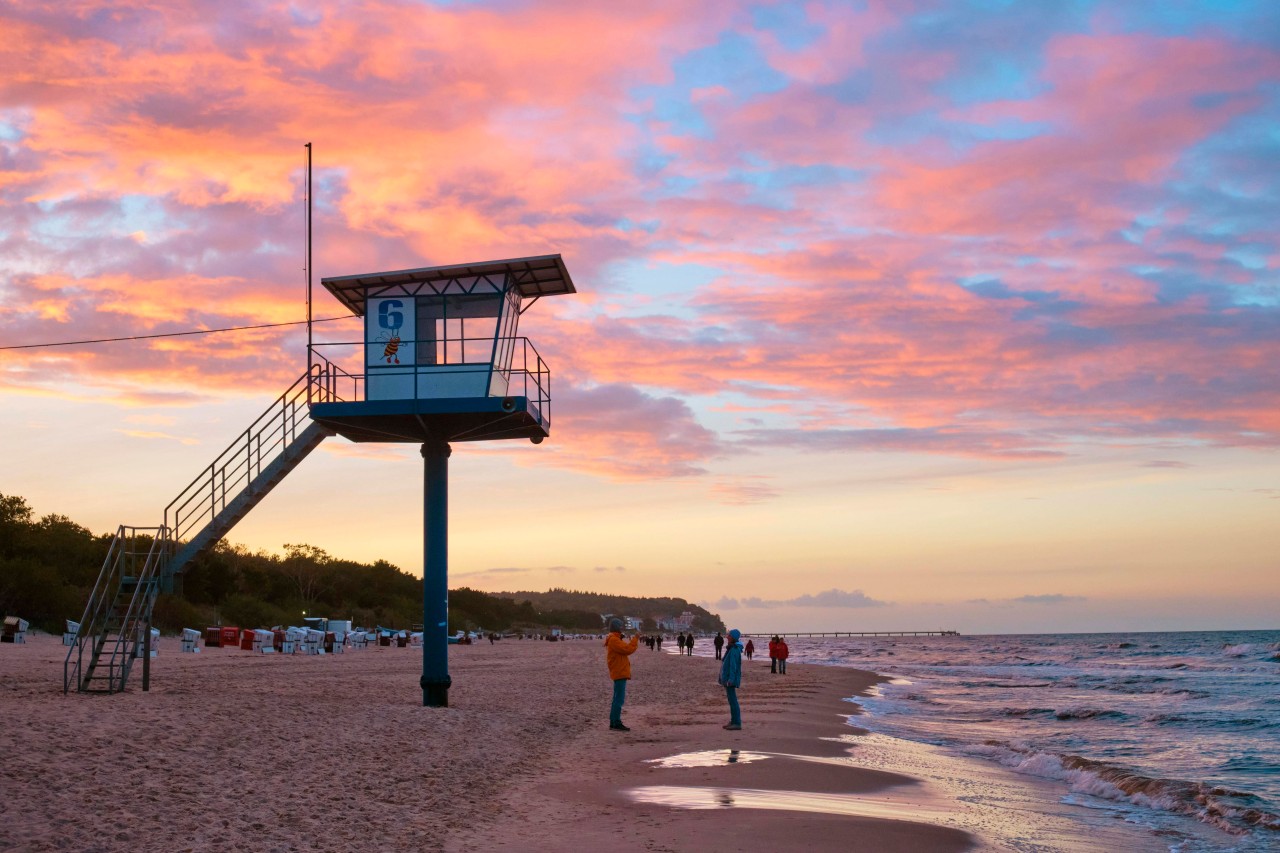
(617, 656)
(749, 650)
(719, 644)
(731, 678)
(680, 642)
(783, 651)
(659, 642)
(773, 654)
(688, 644)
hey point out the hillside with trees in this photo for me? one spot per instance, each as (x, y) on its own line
(649, 609)
(48, 566)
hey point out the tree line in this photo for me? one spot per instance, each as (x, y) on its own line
(48, 566)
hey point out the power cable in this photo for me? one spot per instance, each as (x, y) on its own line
(172, 334)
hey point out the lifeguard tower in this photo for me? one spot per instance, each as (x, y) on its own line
(439, 361)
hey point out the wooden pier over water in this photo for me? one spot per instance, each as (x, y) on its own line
(857, 634)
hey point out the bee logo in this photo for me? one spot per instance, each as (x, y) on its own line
(392, 347)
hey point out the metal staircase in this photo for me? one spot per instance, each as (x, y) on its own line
(243, 474)
(204, 512)
(116, 626)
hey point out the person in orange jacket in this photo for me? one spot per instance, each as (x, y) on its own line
(617, 655)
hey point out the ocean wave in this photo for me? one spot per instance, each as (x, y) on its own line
(1260, 652)
(1166, 719)
(1235, 812)
(1150, 685)
(1139, 689)
(1206, 722)
(1088, 714)
(1065, 713)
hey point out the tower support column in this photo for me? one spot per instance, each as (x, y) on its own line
(435, 575)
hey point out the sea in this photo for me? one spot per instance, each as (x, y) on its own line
(1177, 733)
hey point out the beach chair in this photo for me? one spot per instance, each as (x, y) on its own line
(190, 641)
(293, 640)
(73, 631)
(314, 642)
(415, 640)
(263, 642)
(15, 630)
(140, 649)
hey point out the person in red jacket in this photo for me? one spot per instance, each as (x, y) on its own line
(618, 657)
(773, 653)
(749, 650)
(782, 652)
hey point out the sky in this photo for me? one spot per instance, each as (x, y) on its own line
(890, 315)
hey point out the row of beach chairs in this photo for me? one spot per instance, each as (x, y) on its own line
(289, 641)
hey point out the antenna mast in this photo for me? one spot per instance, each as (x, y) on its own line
(308, 271)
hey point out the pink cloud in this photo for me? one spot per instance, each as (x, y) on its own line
(622, 433)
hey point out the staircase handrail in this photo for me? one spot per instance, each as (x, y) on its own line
(94, 621)
(140, 603)
(255, 448)
(93, 610)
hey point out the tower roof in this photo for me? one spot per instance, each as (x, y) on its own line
(542, 275)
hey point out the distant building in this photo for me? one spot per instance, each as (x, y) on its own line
(683, 622)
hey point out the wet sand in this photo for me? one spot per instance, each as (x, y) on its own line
(235, 751)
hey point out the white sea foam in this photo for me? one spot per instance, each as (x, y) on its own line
(1099, 714)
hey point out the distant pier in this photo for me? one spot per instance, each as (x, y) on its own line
(858, 634)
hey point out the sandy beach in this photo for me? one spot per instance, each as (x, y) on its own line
(235, 751)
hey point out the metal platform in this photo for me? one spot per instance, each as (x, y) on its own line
(436, 419)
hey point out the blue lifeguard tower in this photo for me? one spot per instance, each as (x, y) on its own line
(439, 362)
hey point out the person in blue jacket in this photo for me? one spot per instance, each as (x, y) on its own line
(731, 678)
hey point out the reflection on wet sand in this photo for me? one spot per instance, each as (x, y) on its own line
(1001, 811)
(793, 801)
(711, 758)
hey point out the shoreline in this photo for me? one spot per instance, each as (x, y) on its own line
(792, 743)
(234, 750)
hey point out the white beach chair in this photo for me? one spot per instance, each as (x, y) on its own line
(140, 649)
(313, 644)
(15, 630)
(190, 641)
(293, 639)
(73, 631)
(264, 642)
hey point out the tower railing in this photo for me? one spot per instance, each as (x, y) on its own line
(518, 362)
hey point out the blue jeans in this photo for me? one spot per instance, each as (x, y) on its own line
(735, 713)
(619, 696)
